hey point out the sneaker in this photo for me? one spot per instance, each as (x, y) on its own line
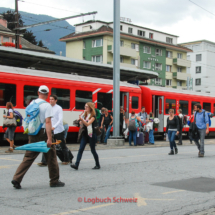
(10, 150)
(16, 184)
(171, 152)
(74, 166)
(58, 184)
(176, 150)
(65, 163)
(96, 167)
(41, 164)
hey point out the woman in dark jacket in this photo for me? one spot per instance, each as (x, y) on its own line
(172, 130)
(88, 135)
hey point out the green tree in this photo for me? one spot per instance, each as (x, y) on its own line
(40, 43)
(29, 35)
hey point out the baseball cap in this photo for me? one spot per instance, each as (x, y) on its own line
(43, 89)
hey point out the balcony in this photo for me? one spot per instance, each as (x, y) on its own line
(180, 76)
(124, 51)
(182, 62)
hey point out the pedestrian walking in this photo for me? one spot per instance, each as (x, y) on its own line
(180, 119)
(202, 122)
(44, 134)
(132, 127)
(101, 137)
(107, 122)
(58, 130)
(9, 134)
(88, 135)
(172, 130)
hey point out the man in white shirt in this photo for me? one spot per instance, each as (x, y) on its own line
(45, 134)
(58, 130)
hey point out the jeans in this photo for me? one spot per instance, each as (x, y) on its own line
(202, 133)
(66, 128)
(151, 136)
(171, 136)
(92, 141)
(134, 135)
(107, 133)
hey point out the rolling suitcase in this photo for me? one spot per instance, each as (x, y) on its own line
(146, 137)
(60, 155)
(140, 139)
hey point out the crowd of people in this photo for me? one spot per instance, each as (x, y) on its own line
(95, 128)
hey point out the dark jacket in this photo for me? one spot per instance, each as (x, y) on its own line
(173, 124)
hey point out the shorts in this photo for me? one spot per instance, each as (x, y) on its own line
(9, 134)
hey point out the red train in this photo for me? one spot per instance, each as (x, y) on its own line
(20, 86)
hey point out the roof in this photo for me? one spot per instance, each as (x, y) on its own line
(108, 30)
(49, 62)
(91, 21)
(2, 28)
(198, 41)
(187, 92)
(48, 74)
(27, 45)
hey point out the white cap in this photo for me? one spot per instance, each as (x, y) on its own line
(43, 89)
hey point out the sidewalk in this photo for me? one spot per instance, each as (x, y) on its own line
(75, 147)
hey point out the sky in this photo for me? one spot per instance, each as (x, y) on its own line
(191, 20)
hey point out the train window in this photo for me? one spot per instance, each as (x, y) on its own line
(30, 93)
(7, 94)
(63, 97)
(170, 104)
(207, 106)
(183, 105)
(192, 106)
(135, 102)
(81, 98)
(104, 100)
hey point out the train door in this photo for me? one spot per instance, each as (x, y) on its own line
(124, 101)
(158, 110)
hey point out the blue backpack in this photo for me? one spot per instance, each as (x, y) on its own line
(32, 123)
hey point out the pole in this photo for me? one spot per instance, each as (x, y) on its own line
(17, 25)
(116, 69)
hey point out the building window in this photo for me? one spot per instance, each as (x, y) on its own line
(179, 55)
(97, 58)
(133, 45)
(188, 57)
(198, 69)
(158, 81)
(6, 39)
(135, 102)
(141, 33)
(199, 57)
(63, 97)
(130, 30)
(146, 64)
(81, 98)
(170, 104)
(97, 43)
(168, 82)
(133, 61)
(8, 94)
(168, 54)
(30, 93)
(168, 68)
(158, 52)
(151, 35)
(84, 44)
(169, 40)
(158, 66)
(183, 105)
(104, 100)
(121, 59)
(198, 81)
(120, 27)
(179, 69)
(121, 43)
(13, 41)
(179, 83)
(147, 49)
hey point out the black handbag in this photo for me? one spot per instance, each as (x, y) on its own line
(97, 130)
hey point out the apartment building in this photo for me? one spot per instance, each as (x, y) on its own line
(140, 47)
(203, 65)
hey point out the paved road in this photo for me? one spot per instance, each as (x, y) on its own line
(162, 184)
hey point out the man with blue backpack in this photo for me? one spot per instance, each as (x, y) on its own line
(39, 128)
(201, 120)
